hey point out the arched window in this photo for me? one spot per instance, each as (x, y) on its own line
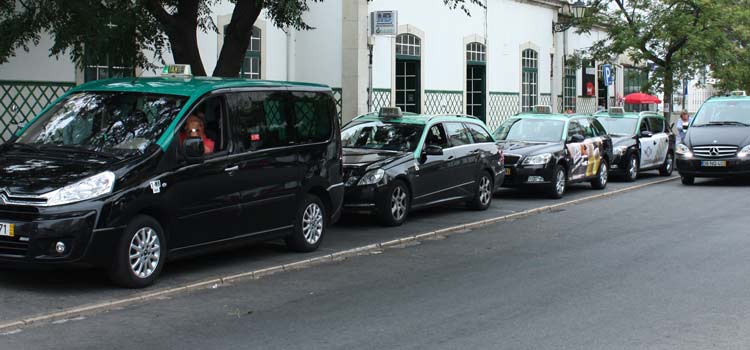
(476, 52)
(476, 73)
(569, 88)
(408, 45)
(408, 72)
(530, 79)
(251, 63)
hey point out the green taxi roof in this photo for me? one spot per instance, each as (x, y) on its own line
(728, 99)
(413, 118)
(552, 116)
(193, 86)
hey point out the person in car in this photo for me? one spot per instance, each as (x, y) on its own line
(196, 127)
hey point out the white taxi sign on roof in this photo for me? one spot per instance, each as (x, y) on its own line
(738, 93)
(542, 109)
(390, 113)
(177, 70)
(616, 111)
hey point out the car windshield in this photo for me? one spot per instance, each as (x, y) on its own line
(528, 129)
(382, 135)
(108, 122)
(723, 113)
(619, 126)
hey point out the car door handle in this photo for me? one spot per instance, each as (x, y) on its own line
(232, 169)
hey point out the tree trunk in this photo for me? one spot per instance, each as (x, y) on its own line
(185, 50)
(668, 91)
(237, 38)
(181, 29)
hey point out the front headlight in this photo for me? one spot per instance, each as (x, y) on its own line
(372, 177)
(91, 187)
(684, 151)
(744, 152)
(618, 151)
(539, 159)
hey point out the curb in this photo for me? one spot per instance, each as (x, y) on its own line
(95, 308)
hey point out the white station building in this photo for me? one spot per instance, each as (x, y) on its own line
(499, 60)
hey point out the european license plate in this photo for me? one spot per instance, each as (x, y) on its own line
(507, 171)
(714, 163)
(7, 230)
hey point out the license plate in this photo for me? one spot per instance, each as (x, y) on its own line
(7, 230)
(714, 163)
(507, 171)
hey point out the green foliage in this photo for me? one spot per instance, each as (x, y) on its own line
(733, 71)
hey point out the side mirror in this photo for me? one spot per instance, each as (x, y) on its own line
(432, 150)
(576, 138)
(193, 148)
(646, 133)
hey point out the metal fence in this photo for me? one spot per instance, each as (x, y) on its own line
(22, 100)
(585, 105)
(502, 105)
(443, 102)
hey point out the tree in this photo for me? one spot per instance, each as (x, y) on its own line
(96, 28)
(733, 73)
(679, 37)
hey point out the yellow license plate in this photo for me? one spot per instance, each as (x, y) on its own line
(507, 171)
(7, 230)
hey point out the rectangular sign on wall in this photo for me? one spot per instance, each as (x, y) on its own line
(384, 23)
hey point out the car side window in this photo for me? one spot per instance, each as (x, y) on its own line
(656, 125)
(312, 114)
(574, 128)
(209, 121)
(644, 125)
(588, 128)
(457, 134)
(436, 137)
(598, 127)
(478, 133)
(261, 119)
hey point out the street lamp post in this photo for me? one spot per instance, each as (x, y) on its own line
(577, 10)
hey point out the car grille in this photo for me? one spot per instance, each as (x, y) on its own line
(10, 246)
(512, 159)
(714, 151)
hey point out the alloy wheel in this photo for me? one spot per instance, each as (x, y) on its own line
(560, 182)
(633, 170)
(603, 176)
(398, 203)
(312, 223)
(485, 192)
(145, 252)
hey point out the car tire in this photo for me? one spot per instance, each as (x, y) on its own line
(602, 177)
(687, 180)
(631, 173)
(559, 184)
(483, 194)
(140, 254)
(310, 224)
(668, 167)
(394, 207)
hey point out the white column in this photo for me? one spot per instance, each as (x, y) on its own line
(354, 75)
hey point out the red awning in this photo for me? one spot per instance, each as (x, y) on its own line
(641, 98)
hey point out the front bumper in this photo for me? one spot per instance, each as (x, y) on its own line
(37, 231)
(521, 175)
(363, 198)
(735, 166)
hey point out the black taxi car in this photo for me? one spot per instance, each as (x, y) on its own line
(394, 163)
(641, 142)
(125, 173)
(717, 143)
(552, 150)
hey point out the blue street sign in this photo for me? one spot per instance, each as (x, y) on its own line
(685, 84)
(607, 74)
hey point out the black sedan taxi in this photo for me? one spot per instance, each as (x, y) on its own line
(717, 143)
(641, 141)
(552, 150)
(394, 163)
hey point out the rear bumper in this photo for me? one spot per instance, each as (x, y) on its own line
(693, 167)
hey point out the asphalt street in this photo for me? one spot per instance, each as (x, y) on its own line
(663, 267)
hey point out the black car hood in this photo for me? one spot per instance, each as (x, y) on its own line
(529, 148)
(35, 173)
(618, 141)
(722, 134)
(359, 157)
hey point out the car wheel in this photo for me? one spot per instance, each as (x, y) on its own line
(140, 254)
(668, 166)
(559, 184)
(602, 177)
(309, 225)
(631, 173)
(394, 207)
(483, 195)
(687, 180)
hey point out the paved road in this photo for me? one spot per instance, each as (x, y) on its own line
(632, 271)
(28, 294)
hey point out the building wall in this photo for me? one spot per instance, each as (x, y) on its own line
(36, 65)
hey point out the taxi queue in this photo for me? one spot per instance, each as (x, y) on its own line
(124, 174)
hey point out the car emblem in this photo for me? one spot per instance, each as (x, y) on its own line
(716, 141)
(714, 151)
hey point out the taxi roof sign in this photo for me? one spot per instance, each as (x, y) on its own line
(390, 113)
(738, 93)
(542, 109)
(616, 111)
(177, 70)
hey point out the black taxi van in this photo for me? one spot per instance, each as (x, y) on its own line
(125, 173)
(717, 143)
(550, 151)
(396, 162)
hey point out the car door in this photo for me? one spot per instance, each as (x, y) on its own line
(430, 171)
(461, 161)
(577, 152)
(204, 195)
(660, 139)
(266, 166)
(646, 144)
(595, 147)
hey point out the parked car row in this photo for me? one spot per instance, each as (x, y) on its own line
(123, 174)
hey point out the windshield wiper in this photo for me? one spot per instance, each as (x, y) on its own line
(79, 150)
(25, 146)
(726, 122)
